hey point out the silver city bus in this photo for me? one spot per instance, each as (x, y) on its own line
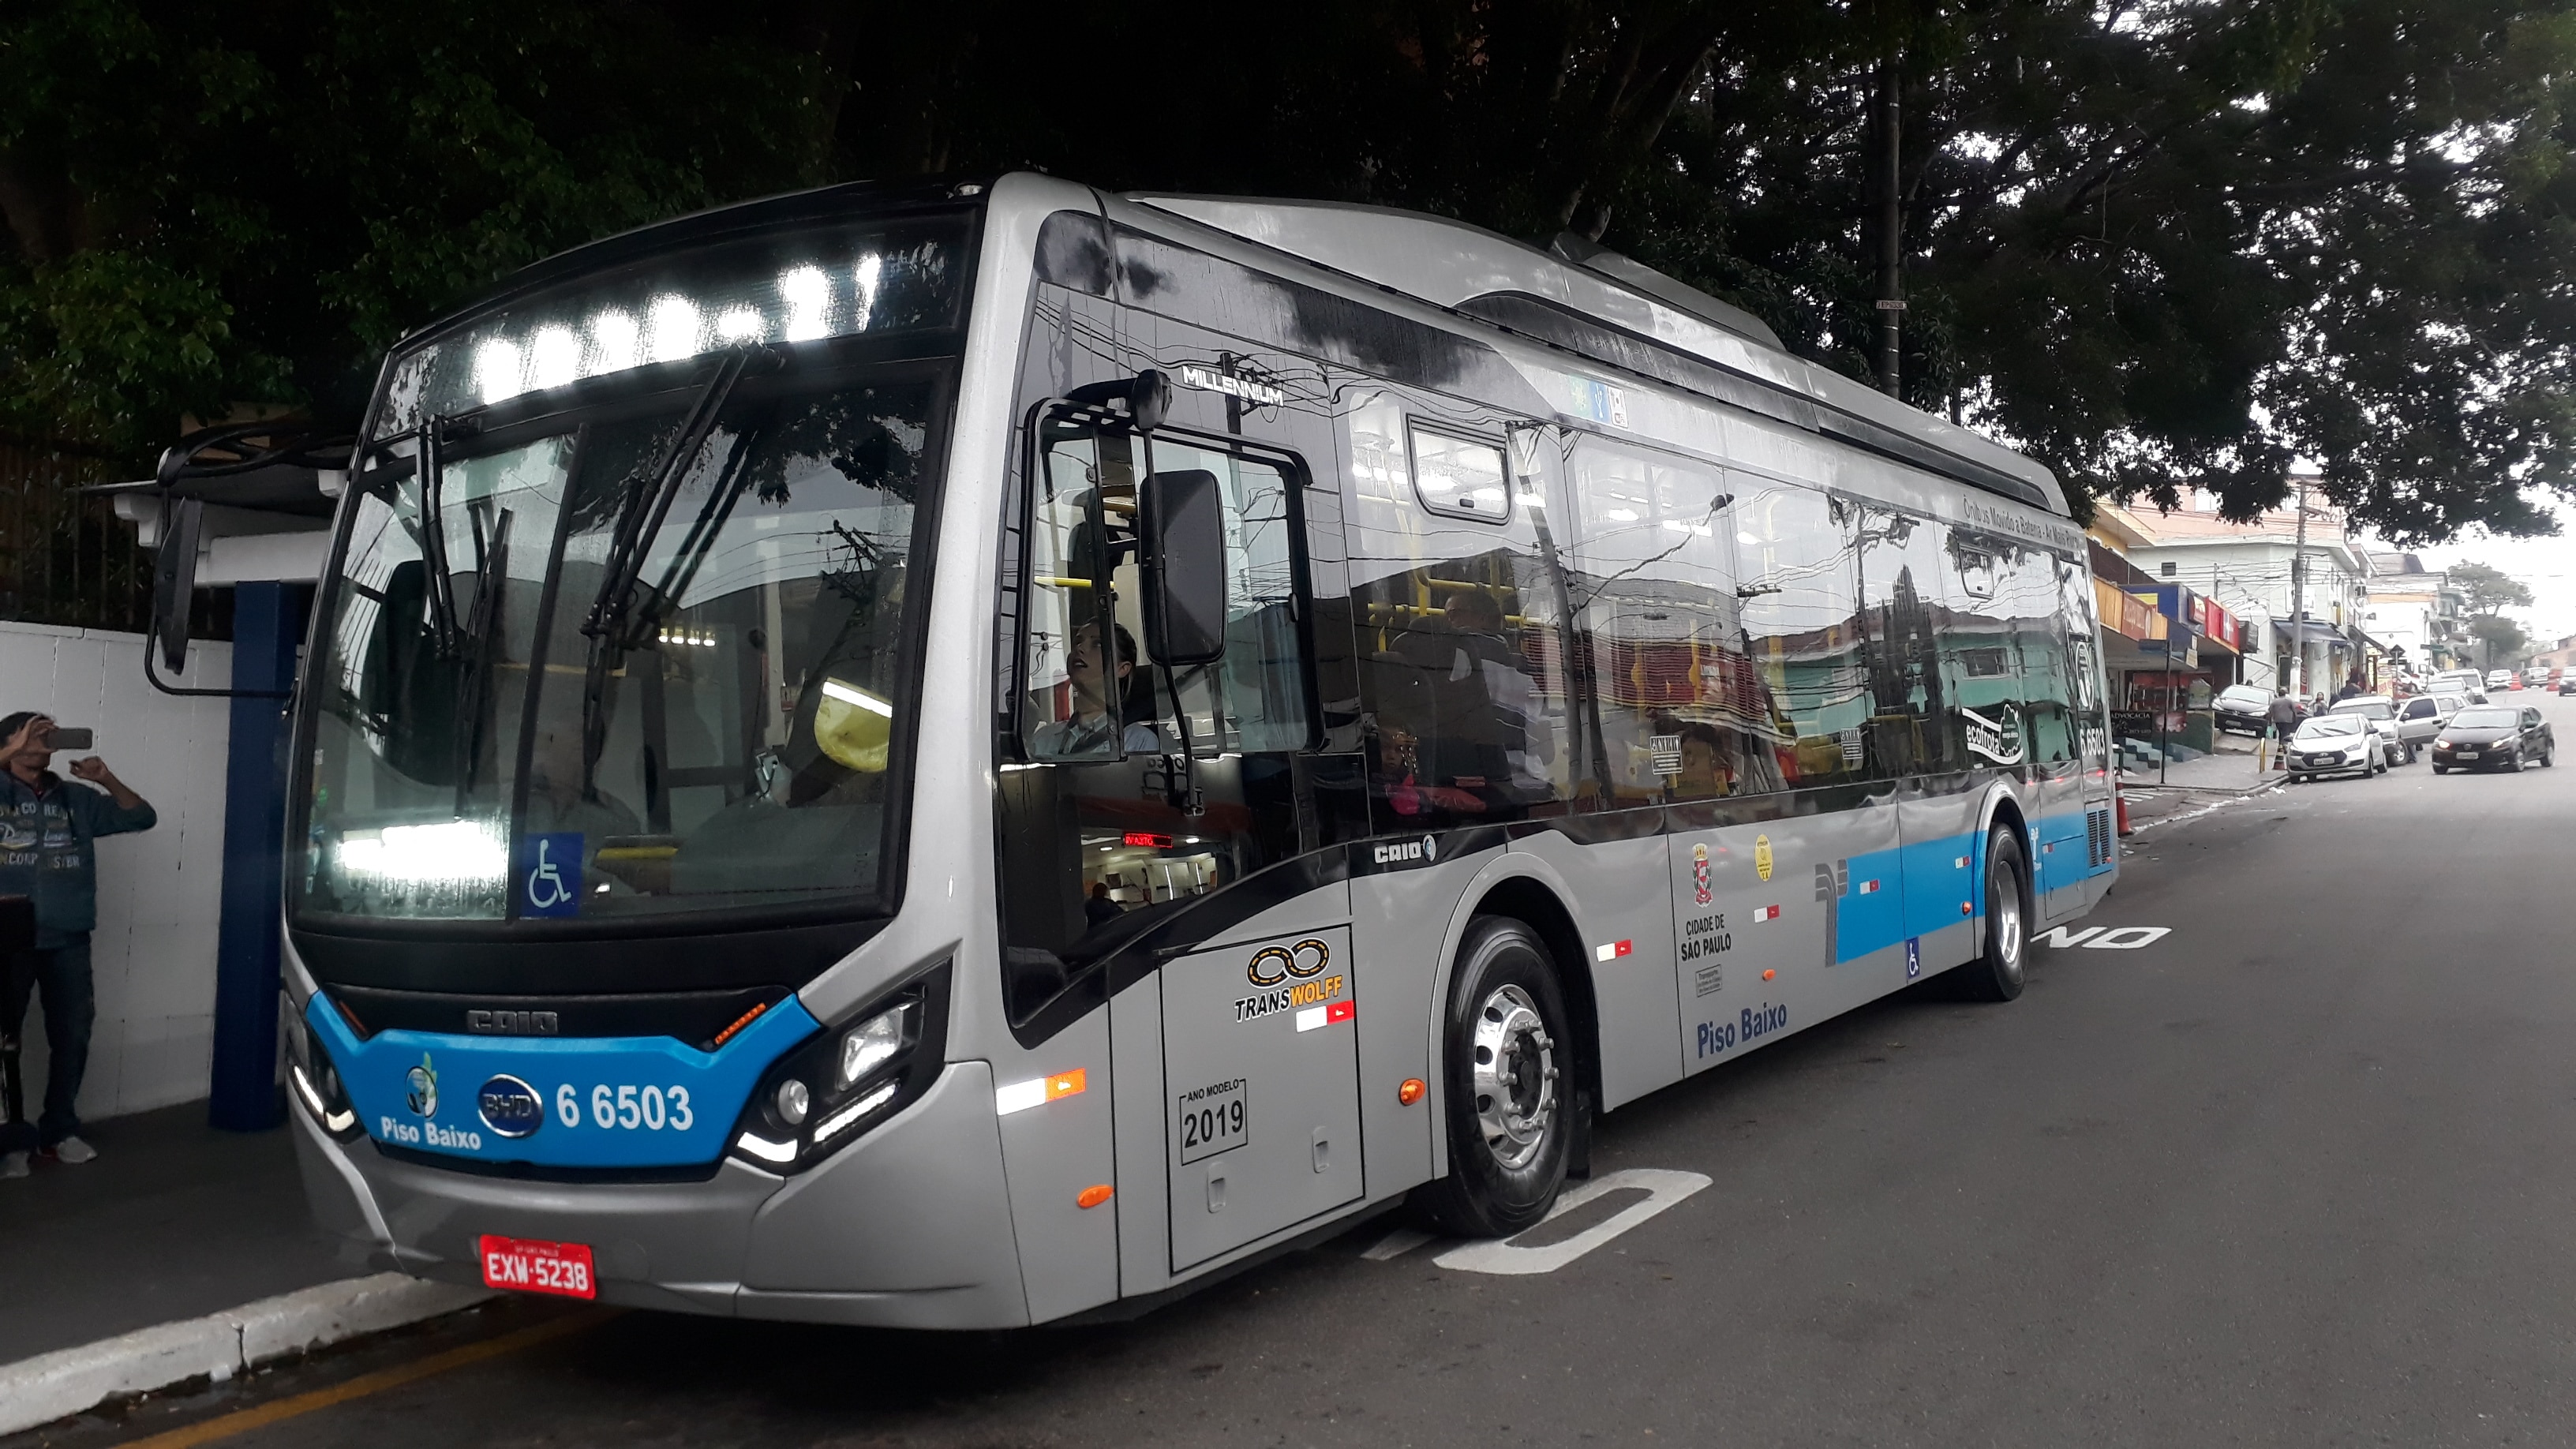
(951, 756)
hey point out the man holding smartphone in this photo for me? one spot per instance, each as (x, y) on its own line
(47, 825)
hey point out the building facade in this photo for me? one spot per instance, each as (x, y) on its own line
(2246, 568)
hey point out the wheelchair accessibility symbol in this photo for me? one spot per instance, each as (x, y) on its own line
(549, 874)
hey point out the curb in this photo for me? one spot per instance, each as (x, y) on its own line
(57, 1385)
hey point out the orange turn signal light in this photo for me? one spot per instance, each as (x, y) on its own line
(1094, 1195)
(1767, 975)
(1411, 1092)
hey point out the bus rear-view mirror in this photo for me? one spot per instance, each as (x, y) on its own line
(174, 579)
(1182, 519)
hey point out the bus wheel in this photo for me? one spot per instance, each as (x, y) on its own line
(1509, 1074)
(1997, 975)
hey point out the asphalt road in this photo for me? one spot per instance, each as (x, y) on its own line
(2300, 1171)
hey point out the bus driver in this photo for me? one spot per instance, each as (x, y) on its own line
(1100, 710)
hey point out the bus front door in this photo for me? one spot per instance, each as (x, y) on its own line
(1261, 1088)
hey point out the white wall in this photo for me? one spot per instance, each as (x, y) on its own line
(159, 892)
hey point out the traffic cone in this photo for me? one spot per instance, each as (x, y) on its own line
(2120, 802)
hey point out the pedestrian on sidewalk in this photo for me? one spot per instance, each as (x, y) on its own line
(47, 825)
(2282, 714)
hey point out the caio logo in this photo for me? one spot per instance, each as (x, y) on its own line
(1273, 964)
(1407, 852)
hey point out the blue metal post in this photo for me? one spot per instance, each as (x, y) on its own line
(268, 624)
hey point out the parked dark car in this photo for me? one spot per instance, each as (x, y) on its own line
(2494, 737)
(2242, 708)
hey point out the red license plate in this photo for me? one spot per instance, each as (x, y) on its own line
(526, 1265)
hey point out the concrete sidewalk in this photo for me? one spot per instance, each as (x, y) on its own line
(2191, 784)
(182, 1254)
(174, 1220)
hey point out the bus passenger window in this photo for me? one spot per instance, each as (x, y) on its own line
(1462, 660)
(1802, 628)
(1655, 573)
(1903, 566)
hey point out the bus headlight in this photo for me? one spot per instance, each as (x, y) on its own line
(829, 1090)
(316, 1083)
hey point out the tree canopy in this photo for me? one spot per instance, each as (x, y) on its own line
(2162, 245)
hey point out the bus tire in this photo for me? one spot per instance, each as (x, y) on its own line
(1508, 1071)
(1998, 972)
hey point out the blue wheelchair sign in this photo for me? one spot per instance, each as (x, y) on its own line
(549, 874)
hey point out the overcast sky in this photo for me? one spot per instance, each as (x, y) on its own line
(2547, 565)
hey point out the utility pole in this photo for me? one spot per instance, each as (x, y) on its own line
(1888, 175)
(2299, 602)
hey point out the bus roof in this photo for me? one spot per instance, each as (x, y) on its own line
(1467, 269)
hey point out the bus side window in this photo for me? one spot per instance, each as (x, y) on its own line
(1678, 703)
(1802, 628)
(1976, 650)
(2027, 594)
(1903, 565)
(1462, 659)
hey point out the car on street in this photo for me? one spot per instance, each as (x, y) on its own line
(2335, 744)
(2420, 720)
(2501, 679)
(2494, 737)
(2536, 677)
(2567, 682)
(2242, 708)
(2462, 682)
(2381, 711)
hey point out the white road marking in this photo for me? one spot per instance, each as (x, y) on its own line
(1497, 1255)
(1396, 1244)
(2136, 936)
(2104, 938)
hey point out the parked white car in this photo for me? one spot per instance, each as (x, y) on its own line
(2335, 744)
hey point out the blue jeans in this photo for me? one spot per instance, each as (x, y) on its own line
(71, 1003)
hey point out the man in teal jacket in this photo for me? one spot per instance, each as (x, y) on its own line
(46, 826)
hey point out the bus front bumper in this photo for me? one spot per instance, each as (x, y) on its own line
(907, 1227)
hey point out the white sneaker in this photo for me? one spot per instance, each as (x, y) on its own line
(72, 1152)
(13, 1164)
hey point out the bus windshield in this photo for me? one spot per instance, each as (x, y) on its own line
(487, 750)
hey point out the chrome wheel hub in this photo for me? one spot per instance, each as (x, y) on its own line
(2008, 924)
(1515, 1076)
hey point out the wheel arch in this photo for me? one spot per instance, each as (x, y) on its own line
(1523, 888)
(2004, 812)
(1537, 905)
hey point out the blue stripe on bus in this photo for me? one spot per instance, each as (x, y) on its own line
(1922, 885)
(605, 1102)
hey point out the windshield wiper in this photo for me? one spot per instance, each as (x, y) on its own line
(492, 577)
(441, 587)
(646, 499)
(647, 610)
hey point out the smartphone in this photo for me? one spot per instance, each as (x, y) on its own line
(70, 739)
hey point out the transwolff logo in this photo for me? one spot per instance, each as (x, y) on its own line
(1407, 852)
